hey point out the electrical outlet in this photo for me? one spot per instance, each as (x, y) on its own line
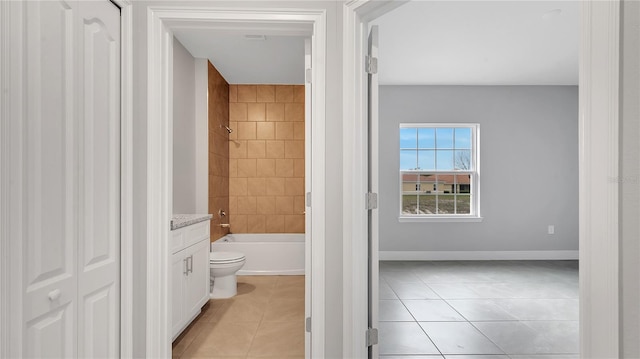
(551, 229)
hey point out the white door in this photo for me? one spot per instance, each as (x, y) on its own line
(372, 141)
(66, 175)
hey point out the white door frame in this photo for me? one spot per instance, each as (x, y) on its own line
(8, 273)
(598, 175)
(160, 20)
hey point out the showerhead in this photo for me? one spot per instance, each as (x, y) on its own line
(227, 128)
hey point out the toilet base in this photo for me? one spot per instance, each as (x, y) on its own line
(224, 287)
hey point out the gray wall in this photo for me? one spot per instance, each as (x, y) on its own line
(528, 166)
(629, 181)
(184, 130)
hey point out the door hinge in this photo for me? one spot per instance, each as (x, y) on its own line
(308, 199)
(372, 336)
(307, 324)
(371, 64)
(307, 76)
(372, 200)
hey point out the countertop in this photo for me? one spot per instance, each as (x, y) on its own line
(183, 220)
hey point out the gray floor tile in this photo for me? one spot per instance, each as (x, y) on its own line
(475, 356)
(551, 337)
(413, 291)
(480, 309)
(411, 357)
(393, 310)
(385, 291)
(404, 338)
(540, 309)
(546, 356)
(454, 291)
(459, 338)
(429, 310)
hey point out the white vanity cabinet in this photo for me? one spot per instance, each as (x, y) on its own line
(189, 274)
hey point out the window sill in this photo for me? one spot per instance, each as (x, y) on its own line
(419, 219)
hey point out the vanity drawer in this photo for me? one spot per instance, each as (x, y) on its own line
(195, 233)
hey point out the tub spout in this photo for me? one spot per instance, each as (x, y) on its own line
(225, 225)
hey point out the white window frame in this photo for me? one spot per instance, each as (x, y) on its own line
(474, 172)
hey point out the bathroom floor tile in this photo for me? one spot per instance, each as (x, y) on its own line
(393, 310)
(540, 309)
(480, 309)
(430, 310)
(533, 337)
(240, 310)
(284, 310)
(278, 339)
(222, 339)
(404, 338)
(413, 291)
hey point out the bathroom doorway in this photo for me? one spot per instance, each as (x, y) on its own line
(310, 22)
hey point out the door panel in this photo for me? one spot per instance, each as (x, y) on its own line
(197, 288)
(178, 270)
(99, 179)
(51, 335)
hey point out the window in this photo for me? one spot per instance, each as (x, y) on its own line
(439, 171)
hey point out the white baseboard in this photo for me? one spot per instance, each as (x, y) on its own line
(475, 255)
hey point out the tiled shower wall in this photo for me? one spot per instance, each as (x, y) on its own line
(266, 158)
(218, 151)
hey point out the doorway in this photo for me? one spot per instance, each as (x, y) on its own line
(605, 19)
(163, 21)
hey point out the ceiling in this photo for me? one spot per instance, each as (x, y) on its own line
(421, 43)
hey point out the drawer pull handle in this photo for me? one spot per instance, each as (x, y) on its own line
(54, 294)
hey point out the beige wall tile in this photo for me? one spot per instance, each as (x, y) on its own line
(265, 205)
(256, 112)
(274, 223)
(238, 187)
(284, 204)
(246, 205)
(266, 167)
(255, 186)
(238, 223)
(298, 167)
(246, 167)
(274, 187)
(265, 130)
(275, 149)
(298, 130)
(266, 93)
(294, 112)
(284, 167)
(237, 112)
(256, 223)
(233, 167)
(256, 149)
(233, 93)
(247, 93)
(246, 130)
(237, 149)
(233, 205)
(275, 112)
(298, 93)
(294, 149)
(234, 126)
(298, 205)
(284, 93)
(284, 130)
(294, 223)
(294, 186)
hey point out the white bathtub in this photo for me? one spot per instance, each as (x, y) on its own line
(267, 254)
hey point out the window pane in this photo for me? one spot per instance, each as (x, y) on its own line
(460, 184)
(462, 160)
(444, 138)
(444, 160)
(428, 204)
(409, 204)
(463, 203)
(426, 138)
(427, 180)
(446, 203)
(410, 181)
(408, 159)
(427, 160)
(463, 138)
(408, 137)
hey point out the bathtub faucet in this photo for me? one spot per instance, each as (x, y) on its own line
(225, 225)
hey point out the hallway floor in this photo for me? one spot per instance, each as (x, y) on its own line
(479, 310)
(265, 320)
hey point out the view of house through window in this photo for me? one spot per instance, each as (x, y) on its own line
(439, 170)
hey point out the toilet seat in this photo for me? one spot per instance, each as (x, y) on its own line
(225, 257)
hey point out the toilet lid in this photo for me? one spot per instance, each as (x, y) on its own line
(224, 257)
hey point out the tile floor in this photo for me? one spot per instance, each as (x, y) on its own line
(265, 320)
(479, 310)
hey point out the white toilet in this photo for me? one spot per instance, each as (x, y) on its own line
(223, 267)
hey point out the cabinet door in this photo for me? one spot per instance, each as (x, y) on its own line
(197, 291)
(178, 269)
